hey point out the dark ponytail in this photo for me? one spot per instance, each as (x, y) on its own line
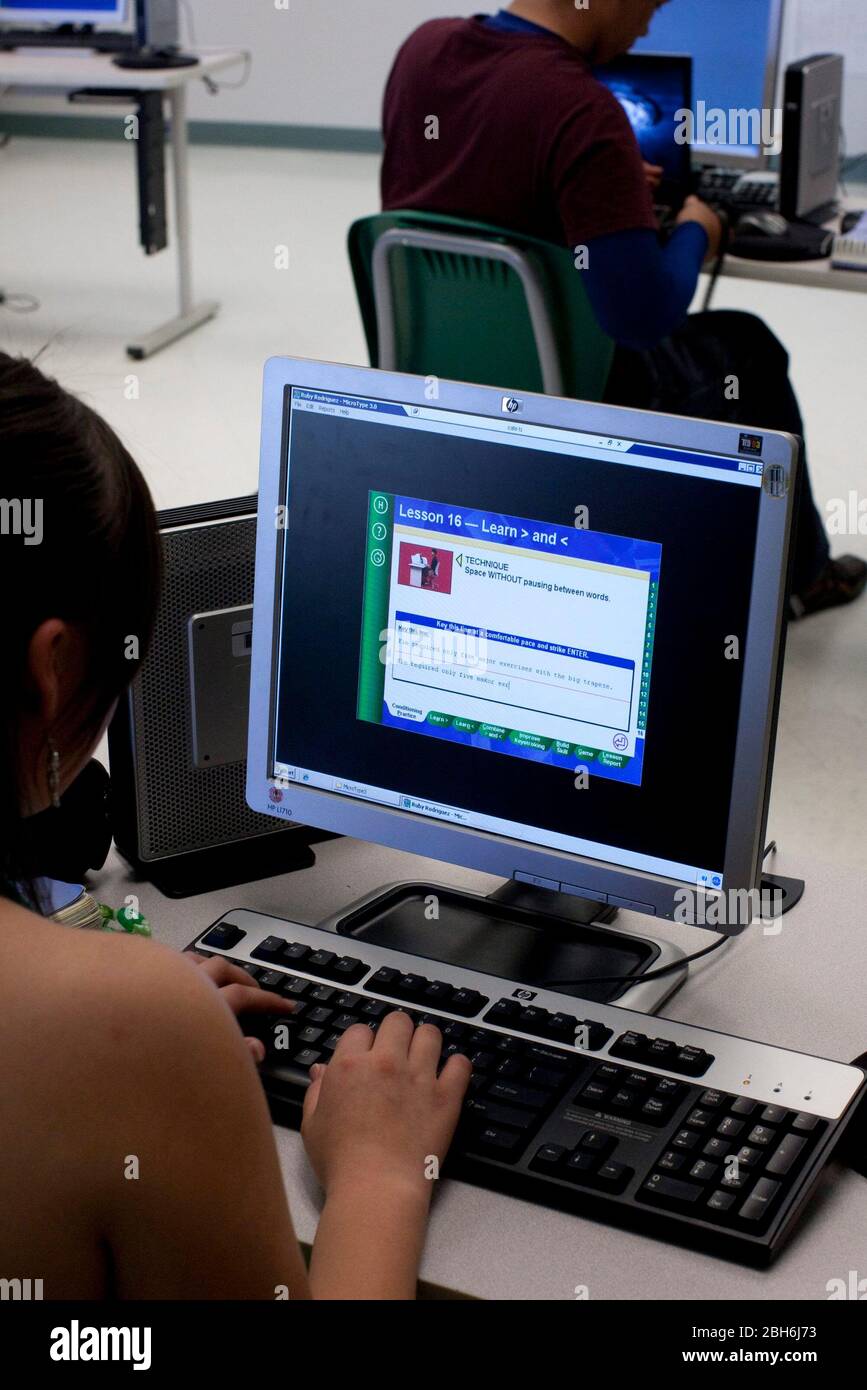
(78, 541)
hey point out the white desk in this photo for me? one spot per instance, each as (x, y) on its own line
(803, 989)
(46, 71)
(817, 275)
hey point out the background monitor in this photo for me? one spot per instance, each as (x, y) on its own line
(735, 48)
(55, 12)
(535, 637)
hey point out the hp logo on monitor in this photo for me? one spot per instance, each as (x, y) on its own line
(511, 405)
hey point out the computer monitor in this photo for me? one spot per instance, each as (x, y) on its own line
(654, 90)
(735, 48)
(535, 637)
(56, 12)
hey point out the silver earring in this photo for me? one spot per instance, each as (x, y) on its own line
(54, 774)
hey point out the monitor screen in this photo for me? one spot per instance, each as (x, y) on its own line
(62, 11)
(735, 50)
(654, 90)
(512, 628)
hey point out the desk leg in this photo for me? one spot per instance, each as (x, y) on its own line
(190, 314)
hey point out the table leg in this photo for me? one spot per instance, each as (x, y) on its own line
(190, 314)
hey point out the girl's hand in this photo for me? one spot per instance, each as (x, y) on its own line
(242, 994)
(378, 1113)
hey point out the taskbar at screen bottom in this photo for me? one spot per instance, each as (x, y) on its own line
(286, 775)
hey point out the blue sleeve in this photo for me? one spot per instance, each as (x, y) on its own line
(641, 291)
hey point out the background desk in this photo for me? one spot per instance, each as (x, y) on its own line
(803, 989)
(816, 275)
(64, 73)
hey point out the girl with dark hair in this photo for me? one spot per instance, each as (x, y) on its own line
(116, 1049)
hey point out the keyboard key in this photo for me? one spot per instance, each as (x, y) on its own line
(411, 987)
(310, 1035)
(467, 1002)
(759, 1201)
(613, 1176)
(438, 994)
(551, 1078)
(374, 1008)
(322, 994)
(481, 1108)
(667, 1086)
(270, 949)
(504, 1012)
(743, 1106)
(773, 1115)
(721, 1201)
(519, 1095)
(748, 1157)
(348, 970)
(382, 980)
(294, 987)
(661, 1052)
(594, 1141)
(729, 1127)
(686, 1139)
(703, 1171)
(579, 1164)
(254, 971)
(318, 1016)
(624, 1100)
(549, 1158)
(786, 1155)
(672, 1190)
(692, 1061)
(700, 1119)
(271, 979)
(509, 1067)
(642, 1081)
(295, 953)
(501, 1141)
(804, 1123)
(712, 1100)
(344, 1021)
(671, 1161)
(592, 1035)
(531, 1020)
(350, 1002)
(306, 1057)
(606, 1072)
(593, 1094)
(562, 1026)
(656, 1110)
(716, 1148)
(761, 1134)
(321, 960)
(223, 937)
(736, 1180)
(630, 1045)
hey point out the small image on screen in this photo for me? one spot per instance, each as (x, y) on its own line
(508, 634)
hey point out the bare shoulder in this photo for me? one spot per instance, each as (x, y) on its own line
(94, 1011)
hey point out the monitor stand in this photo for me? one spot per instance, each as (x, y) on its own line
(539, 938)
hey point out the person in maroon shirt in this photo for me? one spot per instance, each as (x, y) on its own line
(500, 119)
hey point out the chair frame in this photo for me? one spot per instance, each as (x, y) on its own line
(417, 238)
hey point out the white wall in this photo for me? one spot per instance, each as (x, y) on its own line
(324, 62)
(319, 62)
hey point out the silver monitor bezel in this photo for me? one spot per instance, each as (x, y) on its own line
(483, 850)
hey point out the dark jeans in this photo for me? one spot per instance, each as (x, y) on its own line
(687, 373)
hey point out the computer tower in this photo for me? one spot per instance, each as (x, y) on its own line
(809, 169)
(178, 741)
(157, 24)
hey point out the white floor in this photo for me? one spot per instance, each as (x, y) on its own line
(68, 235)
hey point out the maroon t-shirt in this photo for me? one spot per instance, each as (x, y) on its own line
(527, 137)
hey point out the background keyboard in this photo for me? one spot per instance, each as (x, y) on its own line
(688, 1134)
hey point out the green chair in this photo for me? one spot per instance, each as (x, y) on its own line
(441, 296)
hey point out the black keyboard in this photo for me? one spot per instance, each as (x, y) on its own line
(736, 192)
(691, 1135)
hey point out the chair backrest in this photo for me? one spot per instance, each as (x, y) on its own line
(442, 296)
